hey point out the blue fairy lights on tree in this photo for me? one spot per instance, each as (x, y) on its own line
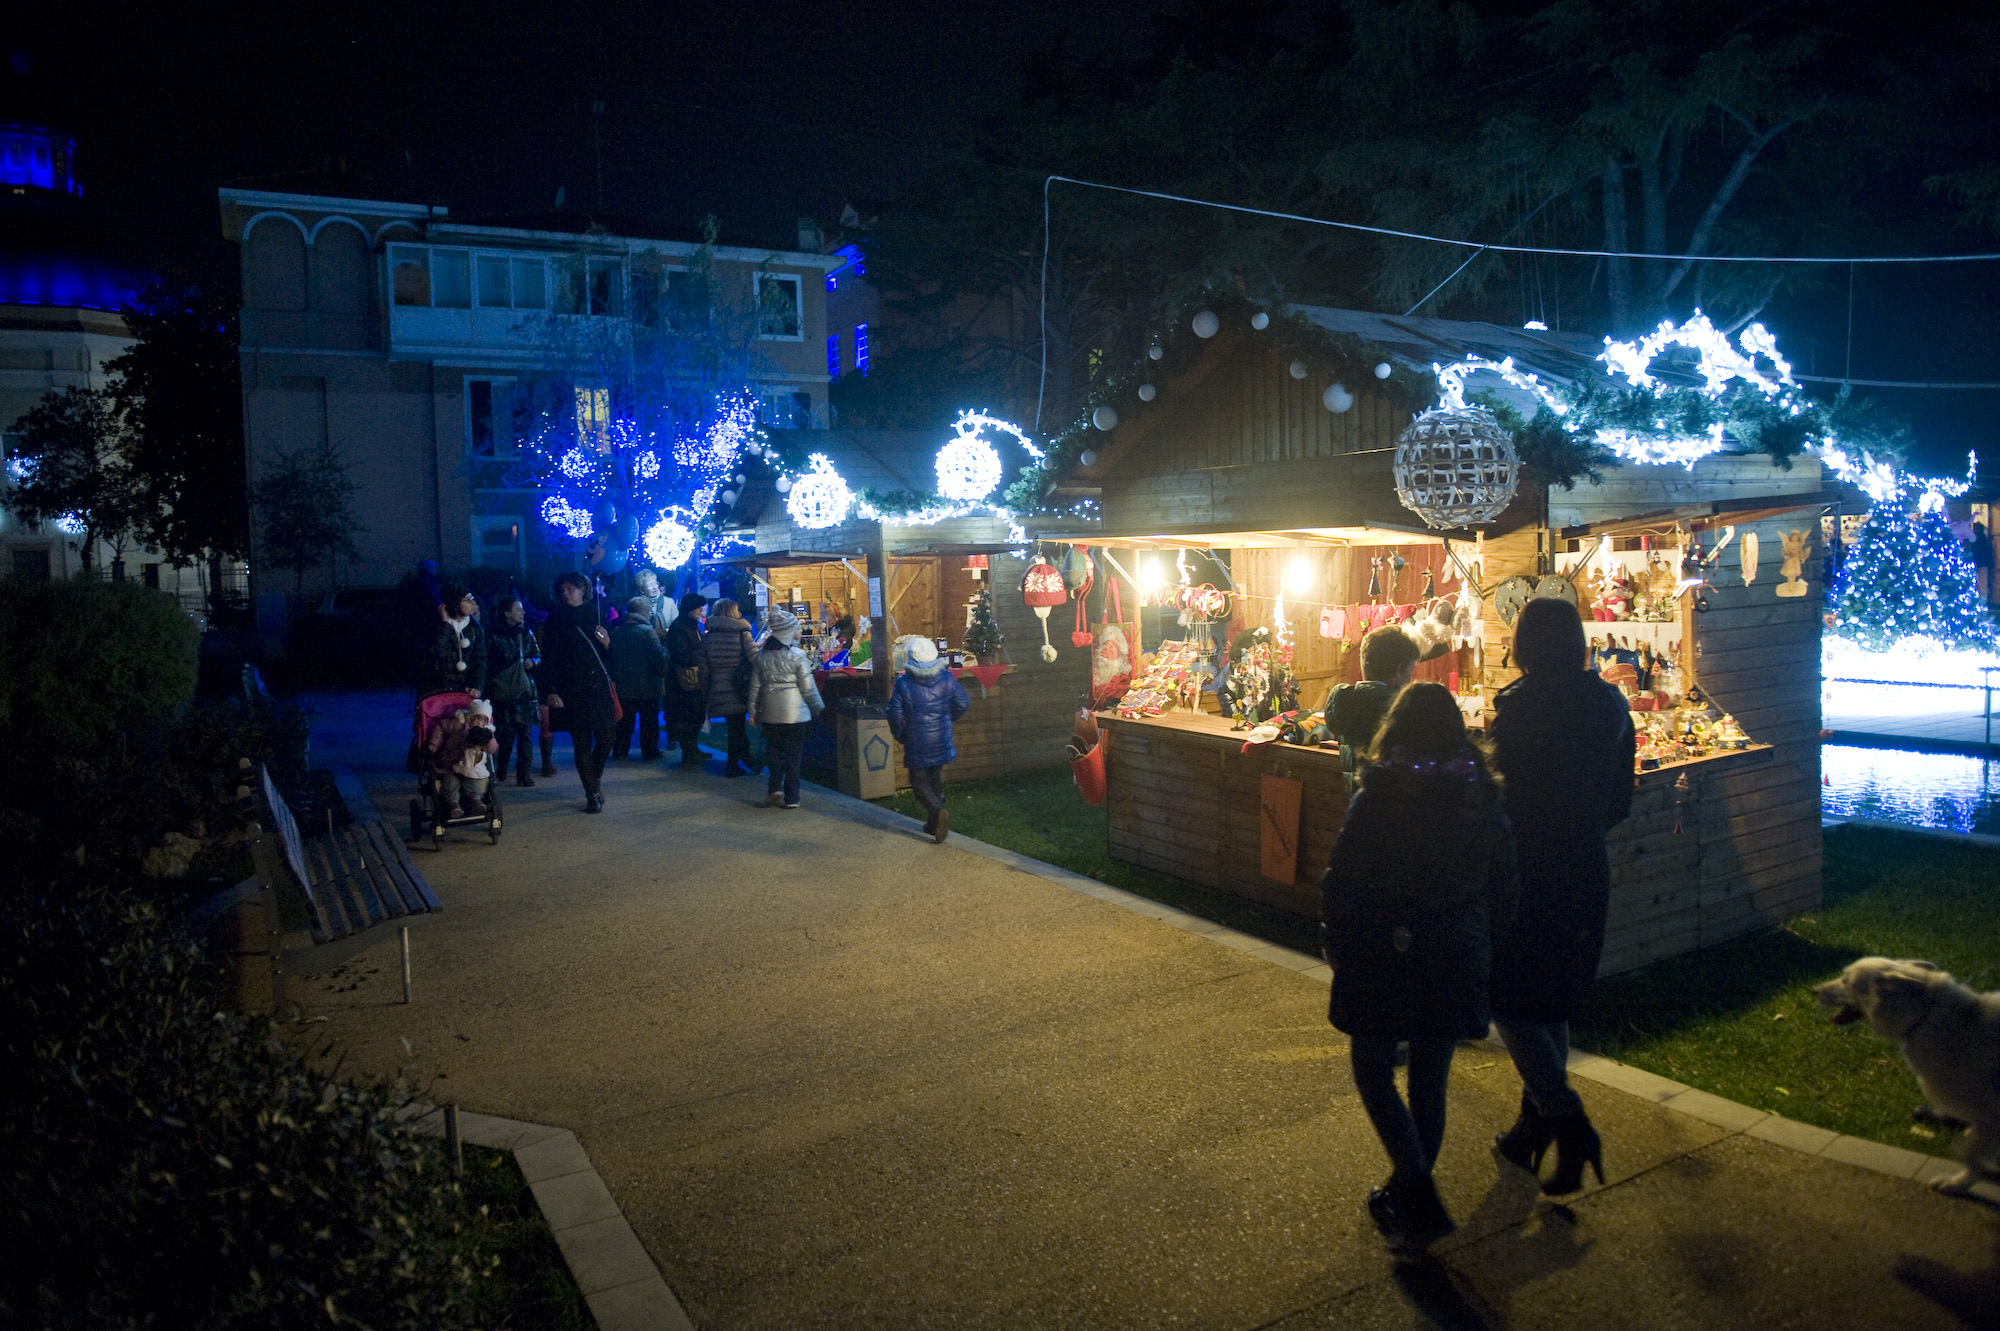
(1906, 577)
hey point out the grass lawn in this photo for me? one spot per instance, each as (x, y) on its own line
(1737, 1020)
(530, 1288)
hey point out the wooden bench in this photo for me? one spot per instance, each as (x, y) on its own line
(357, 881)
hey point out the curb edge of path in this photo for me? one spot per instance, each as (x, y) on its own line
(1736, 1119)
(618, 1279)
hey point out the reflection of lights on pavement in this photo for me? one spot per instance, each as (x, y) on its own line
(1948, 791)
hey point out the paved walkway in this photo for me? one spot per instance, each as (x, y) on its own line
(838, 1076)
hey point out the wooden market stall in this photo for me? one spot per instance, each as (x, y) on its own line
(1241, 458)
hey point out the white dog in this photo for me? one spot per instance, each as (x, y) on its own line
(1950, 1037)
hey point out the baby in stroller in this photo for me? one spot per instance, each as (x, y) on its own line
(461, 745)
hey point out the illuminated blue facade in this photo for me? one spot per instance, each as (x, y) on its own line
(38, 159)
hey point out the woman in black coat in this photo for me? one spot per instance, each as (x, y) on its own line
(458, 646)
(1420, 884)
(687, 678)
(512, 655)
(575, 682)
(1563, 741)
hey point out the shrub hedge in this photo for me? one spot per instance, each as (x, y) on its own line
(164, 1162)
(85, 661)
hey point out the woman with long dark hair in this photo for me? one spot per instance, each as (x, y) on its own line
(1420, 884)
(1563, 741)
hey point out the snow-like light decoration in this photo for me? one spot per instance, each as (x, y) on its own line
(578, 465)
(566, 517)
(646, 466)
(968, 467)
(820, 498)
(670, 540)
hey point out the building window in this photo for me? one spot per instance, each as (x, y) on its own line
(509, 283)
(410, 274)
(496, 542)
(833, 356)
(861, 348)
(531, 284)
(31, 563)
(489, 418)
(686, 300)
(785, 411)
(603, 279)
(778, 307)
(451, 279)
(493, 283)
(593, 417)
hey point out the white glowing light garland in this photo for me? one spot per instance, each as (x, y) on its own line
(1723, 368)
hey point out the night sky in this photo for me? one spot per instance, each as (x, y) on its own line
(759, 114)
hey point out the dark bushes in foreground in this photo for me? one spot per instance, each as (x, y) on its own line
(164, 1162)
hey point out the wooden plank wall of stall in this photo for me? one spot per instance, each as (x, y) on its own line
(1189, 805)
(1739, 847)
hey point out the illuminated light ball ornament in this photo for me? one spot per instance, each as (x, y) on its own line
(670, 540)
(783, 485)
(1206, 324)
(1299, 370)
(567, 518)
(968, 468)
(1105, 418)
(1336, 398)
(820, 498)
(1456, 467)
(1260, 321)
(1147, 392)
(1383, 370)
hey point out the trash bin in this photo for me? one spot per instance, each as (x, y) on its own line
(864, 770)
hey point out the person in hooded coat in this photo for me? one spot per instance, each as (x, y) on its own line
(687, 678)
(576, 683)
(726, 644)
(783, 702)
(516, 703)
(1563, 743)
(927, 699)
(639, 668)
(1420, 883)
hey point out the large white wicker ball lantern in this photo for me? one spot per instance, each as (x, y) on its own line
(1455, 467)
(1336, 398)
(1206, 323)
(1105, 418)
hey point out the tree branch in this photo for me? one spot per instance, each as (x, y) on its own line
(1698, 241)
(1770, 290)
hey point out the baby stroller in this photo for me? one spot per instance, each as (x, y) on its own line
(429, 815)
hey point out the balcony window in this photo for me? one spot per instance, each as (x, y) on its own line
(833, 356)
(603, 283)
(593, 417)
(493, 283)
(686, 300)
(778, 307)
(531, 284)
(451, 279)
(410, 274)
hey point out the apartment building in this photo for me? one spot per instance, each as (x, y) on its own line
(422, 348)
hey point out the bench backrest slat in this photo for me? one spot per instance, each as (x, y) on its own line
(351, 862)
(344, 917)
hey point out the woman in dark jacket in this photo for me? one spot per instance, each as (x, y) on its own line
(639, 668)
(727, 645)
(687, 677)
(1420, 884)
(458, 647)
(1563, 741)
(512, 653)
(575, 682)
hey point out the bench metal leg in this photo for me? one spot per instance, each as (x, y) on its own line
(404, 935)
(452, 1143)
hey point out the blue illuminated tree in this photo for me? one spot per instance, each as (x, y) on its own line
(1907, 577)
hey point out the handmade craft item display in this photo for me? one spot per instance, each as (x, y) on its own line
(1160, 686)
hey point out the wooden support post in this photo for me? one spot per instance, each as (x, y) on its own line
(881, 654)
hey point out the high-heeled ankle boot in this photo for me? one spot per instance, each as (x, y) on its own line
(1577, 1144)
(1524, 1144)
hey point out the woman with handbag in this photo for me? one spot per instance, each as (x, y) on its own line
(783, 700)
(727, 646)
(1420, 884)
(576, 684)
(512, 653)
(687, 678)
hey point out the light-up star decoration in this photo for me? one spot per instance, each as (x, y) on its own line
(820, 498)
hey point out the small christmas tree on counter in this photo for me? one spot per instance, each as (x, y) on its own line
(983, 638)
(1907, 577)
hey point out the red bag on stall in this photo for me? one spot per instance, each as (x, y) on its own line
(1111, 652)
(1086, 758)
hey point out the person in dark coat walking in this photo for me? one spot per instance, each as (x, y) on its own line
(927, 699)
(575, 682)
(1563, 742)
(512, 654)
(1420, 884)
(639, 668)
(458, 646)
(727, 644)
(687, 678)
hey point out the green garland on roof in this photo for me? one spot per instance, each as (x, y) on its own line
(1330, 357)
